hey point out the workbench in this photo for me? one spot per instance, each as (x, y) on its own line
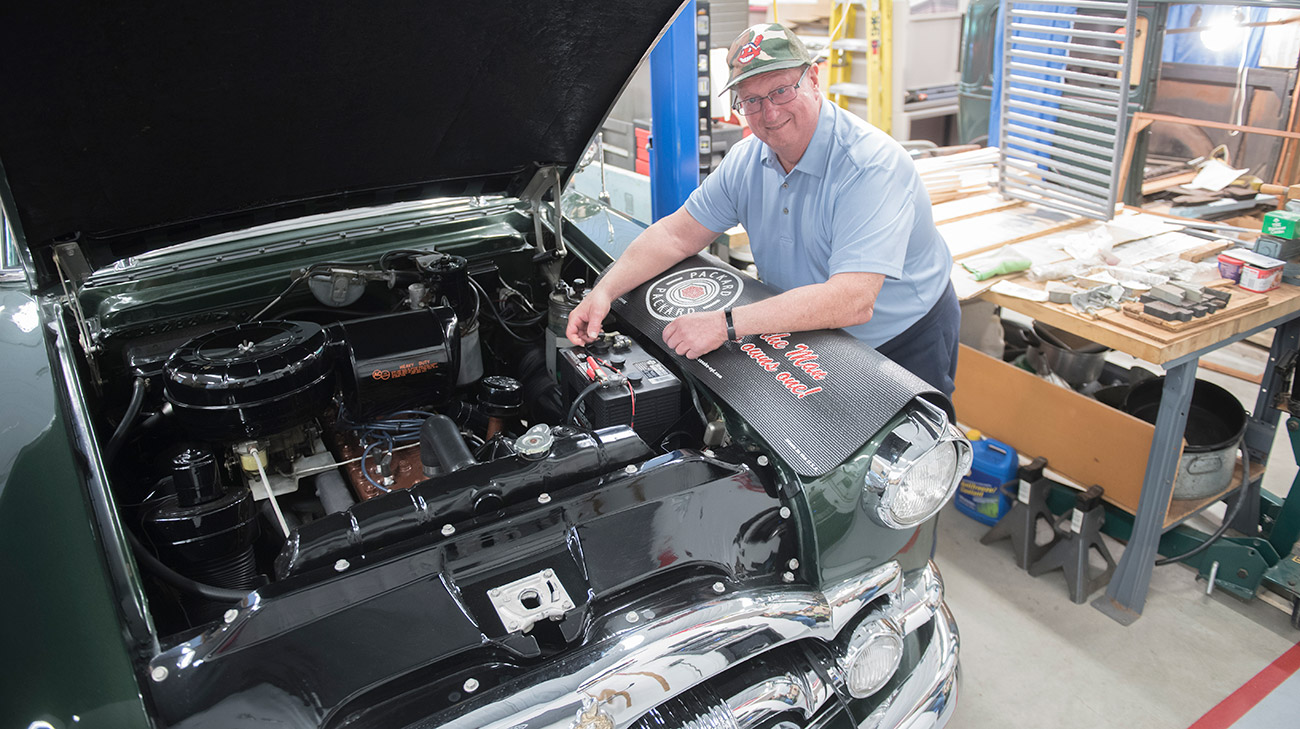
(1179, 354)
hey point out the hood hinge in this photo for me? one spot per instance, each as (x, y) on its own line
(74, 269)
(547, 179)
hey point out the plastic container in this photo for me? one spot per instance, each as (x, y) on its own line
(1260, 280)
(981, 494)
(1230, 267)
(1254, 272)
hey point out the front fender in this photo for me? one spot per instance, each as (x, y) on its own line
(60, 629)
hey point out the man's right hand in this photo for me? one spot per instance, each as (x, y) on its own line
(667, 241)
(585, 319)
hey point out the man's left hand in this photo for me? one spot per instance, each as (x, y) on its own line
(694, 335)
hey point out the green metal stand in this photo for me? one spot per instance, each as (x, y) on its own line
(1283, 575)
(1238, 565)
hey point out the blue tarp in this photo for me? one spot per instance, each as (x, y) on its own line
(995, 108)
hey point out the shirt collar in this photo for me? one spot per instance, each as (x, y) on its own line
(813, 161)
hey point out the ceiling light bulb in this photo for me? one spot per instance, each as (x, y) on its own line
(1223, 33)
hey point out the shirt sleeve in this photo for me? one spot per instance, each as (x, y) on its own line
(714, 203)
(872, 223)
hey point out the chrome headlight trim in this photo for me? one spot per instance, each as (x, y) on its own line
(873, 635)
(916, 441)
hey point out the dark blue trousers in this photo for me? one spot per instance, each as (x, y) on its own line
(928, 348)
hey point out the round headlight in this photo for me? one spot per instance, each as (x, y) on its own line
(873, 654)
(916, 468)
(925, 486)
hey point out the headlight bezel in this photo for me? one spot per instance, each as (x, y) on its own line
(863, 641)
(923, 431)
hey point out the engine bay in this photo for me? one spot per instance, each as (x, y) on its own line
(363, 402)
(268, 425)
(387, 462)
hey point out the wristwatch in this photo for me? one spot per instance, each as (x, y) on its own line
(731, 325)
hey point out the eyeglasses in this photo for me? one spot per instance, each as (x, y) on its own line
(778, 96)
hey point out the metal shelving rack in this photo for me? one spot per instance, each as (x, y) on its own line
(1064, 103)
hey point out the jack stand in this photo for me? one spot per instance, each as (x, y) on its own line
(1021, 523)
(1078, 532)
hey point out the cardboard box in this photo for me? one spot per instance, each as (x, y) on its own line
(794, 12)
(1281, 223)
(1087, 441)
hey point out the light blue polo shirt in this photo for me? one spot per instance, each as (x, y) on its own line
(853, 204)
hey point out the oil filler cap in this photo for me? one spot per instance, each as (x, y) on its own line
(535, 443)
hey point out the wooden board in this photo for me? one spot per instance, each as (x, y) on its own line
(960, 194)
(1164, 183)
(1254, 377)
(1081, 438)
(978, 234)
(1146, 341)
(1180, 509)
(1200, 253)
(1240, 301)
(970, 206)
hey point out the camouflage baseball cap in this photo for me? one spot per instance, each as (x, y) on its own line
(762, 48)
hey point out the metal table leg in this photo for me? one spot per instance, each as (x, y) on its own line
(1127, 592)
(1261, 426)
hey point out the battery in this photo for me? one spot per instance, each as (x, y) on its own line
(658, 392)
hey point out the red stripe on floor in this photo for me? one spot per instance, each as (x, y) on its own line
(1245, 698)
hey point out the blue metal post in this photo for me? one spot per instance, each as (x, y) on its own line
(674, 136)
(1127, 592)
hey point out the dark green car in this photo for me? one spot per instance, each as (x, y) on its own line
(293, 437)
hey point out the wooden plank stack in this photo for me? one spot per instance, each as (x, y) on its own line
(955, 176)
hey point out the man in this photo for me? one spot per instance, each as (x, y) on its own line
(837, 219)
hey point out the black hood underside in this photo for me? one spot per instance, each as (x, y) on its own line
(186, 119)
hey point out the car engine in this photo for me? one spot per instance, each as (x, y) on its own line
(263, 450)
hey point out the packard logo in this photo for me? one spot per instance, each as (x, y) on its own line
(692, 290)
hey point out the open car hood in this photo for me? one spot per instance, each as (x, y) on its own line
(136, 129)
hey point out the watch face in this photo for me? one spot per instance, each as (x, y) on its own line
(695, 289)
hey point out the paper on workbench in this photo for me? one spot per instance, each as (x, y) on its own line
(1008, 288)
(970, 235)
(1149, 249)
(1134, 238)
(1215, 176)
(1132, 225)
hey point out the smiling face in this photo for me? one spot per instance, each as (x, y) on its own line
(786, 128)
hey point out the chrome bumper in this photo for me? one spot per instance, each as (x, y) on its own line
(636, 669)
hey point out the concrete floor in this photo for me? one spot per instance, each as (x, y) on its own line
(1032, 658)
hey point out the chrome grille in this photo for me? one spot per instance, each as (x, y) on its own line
(698, 709)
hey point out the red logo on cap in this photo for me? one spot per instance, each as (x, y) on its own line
(692, 292)
(750, 51)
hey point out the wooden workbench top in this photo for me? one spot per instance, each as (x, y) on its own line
(1151, 342)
